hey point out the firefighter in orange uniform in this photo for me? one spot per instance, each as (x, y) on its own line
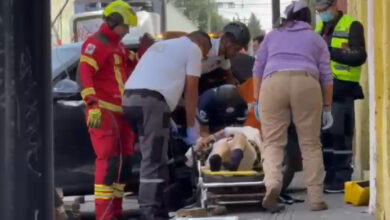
(104, 66)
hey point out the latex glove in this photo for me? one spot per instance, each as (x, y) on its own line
(94, 118)
(173, 127)
(257, 111)
(190, 160)
(327, 119)
(192, 136)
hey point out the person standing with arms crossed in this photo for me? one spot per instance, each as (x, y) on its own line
(345, 39)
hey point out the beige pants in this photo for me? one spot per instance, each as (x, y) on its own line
(284, 96)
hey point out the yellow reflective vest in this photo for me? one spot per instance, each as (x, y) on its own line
(340, 39)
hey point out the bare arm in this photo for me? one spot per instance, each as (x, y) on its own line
(191, 98)
(327, 91)
(230, 78)
(204, 131)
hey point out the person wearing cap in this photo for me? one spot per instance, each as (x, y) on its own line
(168, 69)
(104, 65)
(220, 107)
(293, 82)
(216, 67)
(345, 39)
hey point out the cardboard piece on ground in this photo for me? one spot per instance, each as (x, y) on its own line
(211, 218)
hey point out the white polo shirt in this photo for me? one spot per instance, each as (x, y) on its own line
(164, 66)
(214, 60)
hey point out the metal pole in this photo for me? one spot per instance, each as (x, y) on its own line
(26, 151)
(311, 4)
(209, 17)
(275, 13)
(159, 6)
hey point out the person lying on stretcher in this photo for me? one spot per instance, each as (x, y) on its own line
(233, 148)
(224, 107)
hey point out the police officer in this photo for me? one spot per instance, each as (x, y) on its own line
(345, 38)
(104, 65)
(216, 68)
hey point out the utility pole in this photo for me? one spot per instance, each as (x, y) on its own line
(209, 17)
(159, 6)
(312, 6)
(26, 144)
(275, 13)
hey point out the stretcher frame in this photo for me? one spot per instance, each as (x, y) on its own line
(206, 198)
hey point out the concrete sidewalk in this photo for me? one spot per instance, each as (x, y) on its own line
(338, 210)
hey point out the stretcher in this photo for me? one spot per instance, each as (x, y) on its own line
(228, 187)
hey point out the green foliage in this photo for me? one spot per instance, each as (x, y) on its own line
(198, 11)
(254, 26)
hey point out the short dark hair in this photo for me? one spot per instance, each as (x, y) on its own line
(229, 37)
(259, 38)
(301, 15)
(113, 20)
(200, 34)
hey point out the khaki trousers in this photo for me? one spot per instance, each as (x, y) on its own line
(284, 96)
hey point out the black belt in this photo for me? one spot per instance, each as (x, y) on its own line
(144, 93)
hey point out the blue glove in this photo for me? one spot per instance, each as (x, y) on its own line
(257, 111)
(192, 136)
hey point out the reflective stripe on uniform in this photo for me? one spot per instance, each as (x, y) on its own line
(152, 180)
(118, 77)
(87, 91)
(341, 34)
(327, 150)
(241, 118)
(339, 152)
(342, 152)
(89, 60)
(110, 106)
(103, 192)
(118, 74)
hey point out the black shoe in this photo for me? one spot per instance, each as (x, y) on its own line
(329, 176)
(334, 188)
(287, 199)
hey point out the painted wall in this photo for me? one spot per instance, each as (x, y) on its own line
(381, 51)
(361, 147)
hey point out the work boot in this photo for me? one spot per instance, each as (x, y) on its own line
(318, 206)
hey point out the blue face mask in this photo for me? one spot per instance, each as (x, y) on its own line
(326, 16)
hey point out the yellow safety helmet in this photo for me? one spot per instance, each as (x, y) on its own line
(124, 9)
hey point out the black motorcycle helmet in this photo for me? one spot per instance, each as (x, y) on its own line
(240, 32)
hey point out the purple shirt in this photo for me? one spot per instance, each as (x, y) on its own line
(296, 47)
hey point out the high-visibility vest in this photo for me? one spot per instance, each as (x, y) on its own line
(340, 38)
